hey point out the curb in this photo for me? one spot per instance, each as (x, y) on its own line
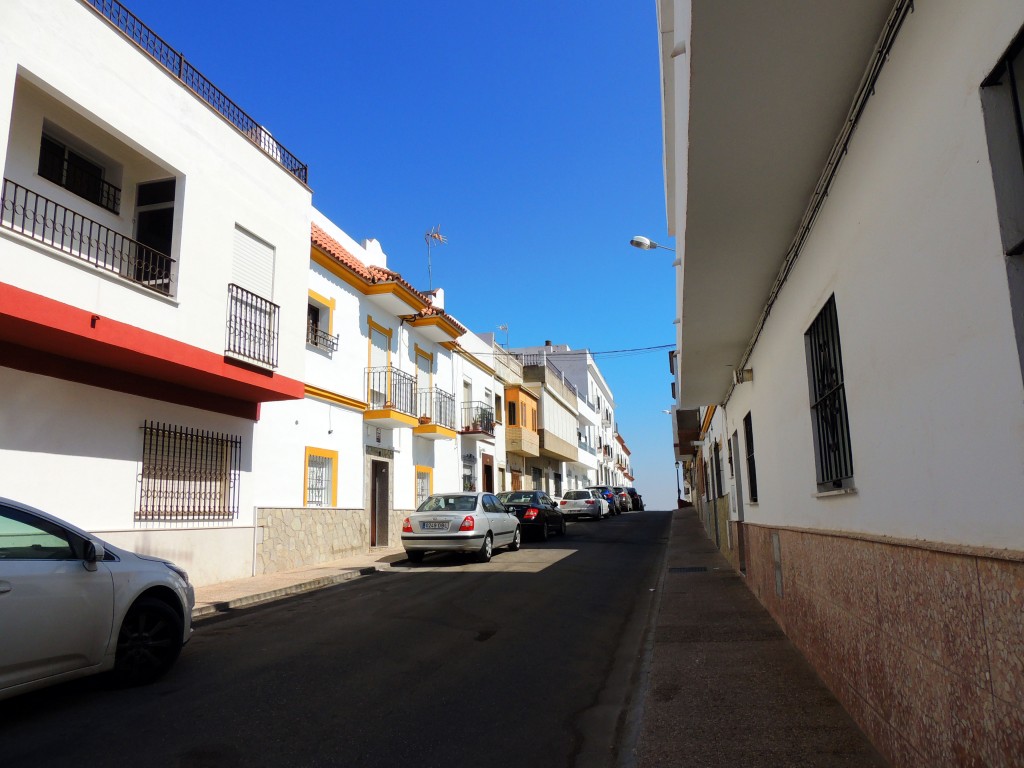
(209, 610)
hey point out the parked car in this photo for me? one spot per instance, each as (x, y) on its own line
(583, 503)
(537, 512)
(73, 605)
(614, 502)
(626, 502)
(636, 498)
(460, 522)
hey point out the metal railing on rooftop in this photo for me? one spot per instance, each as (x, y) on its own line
(175, 63)
(30, 214)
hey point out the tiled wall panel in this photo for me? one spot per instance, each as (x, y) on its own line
(924, 648)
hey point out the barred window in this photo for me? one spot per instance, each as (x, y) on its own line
(188, 474)
(833, 454)
(320, 478)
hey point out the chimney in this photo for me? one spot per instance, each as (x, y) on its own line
(547, 343)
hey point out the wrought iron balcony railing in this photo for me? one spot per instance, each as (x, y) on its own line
(388, 387)
(435, 406)
(32, 215)
(175, 63)
(478, 416)
(253, 327)
(321, 339)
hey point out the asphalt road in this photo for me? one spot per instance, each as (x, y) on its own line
(530, 660)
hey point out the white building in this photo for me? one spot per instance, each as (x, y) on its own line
(153, 259)
(481, 427)
(376, 432)
(846, 185)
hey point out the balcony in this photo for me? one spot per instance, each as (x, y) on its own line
(435, 412)
(45, 221)
(554, 447)
(477, 419)
(253, 328)
(391, 396)
(161, 53)
(522, 442)
(321, 339)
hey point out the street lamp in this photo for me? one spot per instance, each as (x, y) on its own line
(646, 244)
(679, 490)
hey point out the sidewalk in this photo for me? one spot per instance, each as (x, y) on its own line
(219, 598)
(725, 686)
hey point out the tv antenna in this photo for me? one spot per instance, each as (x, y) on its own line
(433, 236)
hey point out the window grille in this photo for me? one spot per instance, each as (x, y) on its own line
(319, 480)
(188, 474)
(832, 450)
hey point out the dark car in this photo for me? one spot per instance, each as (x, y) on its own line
(614, 502)
(537, 512)
(636, 498)
(623, 497)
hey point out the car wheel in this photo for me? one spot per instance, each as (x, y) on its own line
(484, 555)
(544, 531)
(561, 532)
(148, 642)
(517, 540)
(416, 556)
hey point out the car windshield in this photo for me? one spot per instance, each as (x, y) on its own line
(518, 498)
(577, 495)
(451, 503)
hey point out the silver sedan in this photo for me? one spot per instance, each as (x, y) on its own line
(460, 522)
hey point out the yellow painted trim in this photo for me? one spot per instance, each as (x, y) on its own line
(334, 397)
(708, 415)
(451, 346)
(390, 413)
(434, 429)
(338, 270)
(440, 321)
(333, 456)
(429, 471)
(331, 304)
(429, 357)
(396, 289)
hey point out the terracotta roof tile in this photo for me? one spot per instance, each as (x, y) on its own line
(374, 274)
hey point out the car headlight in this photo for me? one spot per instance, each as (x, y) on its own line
(178, 570)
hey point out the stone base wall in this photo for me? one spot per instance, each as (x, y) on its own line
(924, 648)
(295, 538)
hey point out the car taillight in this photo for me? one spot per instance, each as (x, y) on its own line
(468, 523)
(530, 513)
(590, 501)
(561, 503)
(407, 525)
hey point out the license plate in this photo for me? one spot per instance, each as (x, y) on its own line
(434, 526)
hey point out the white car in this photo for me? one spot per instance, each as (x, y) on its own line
(72, 605)
(460, 522)
(583, 503)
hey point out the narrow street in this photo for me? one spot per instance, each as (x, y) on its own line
(527, 660)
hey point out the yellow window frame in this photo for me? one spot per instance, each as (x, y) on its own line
(325, 454)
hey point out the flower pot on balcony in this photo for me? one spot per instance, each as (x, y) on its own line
(424, 420)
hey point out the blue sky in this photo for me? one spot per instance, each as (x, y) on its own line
(529, 131)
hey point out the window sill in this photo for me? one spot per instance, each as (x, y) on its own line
(837, 492)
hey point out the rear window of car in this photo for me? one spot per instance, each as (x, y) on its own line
(577, 495)
(448, 504)
(518, 498)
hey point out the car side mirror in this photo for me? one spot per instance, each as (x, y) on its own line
(93, 553)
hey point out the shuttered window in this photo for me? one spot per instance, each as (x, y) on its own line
(253, 264)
